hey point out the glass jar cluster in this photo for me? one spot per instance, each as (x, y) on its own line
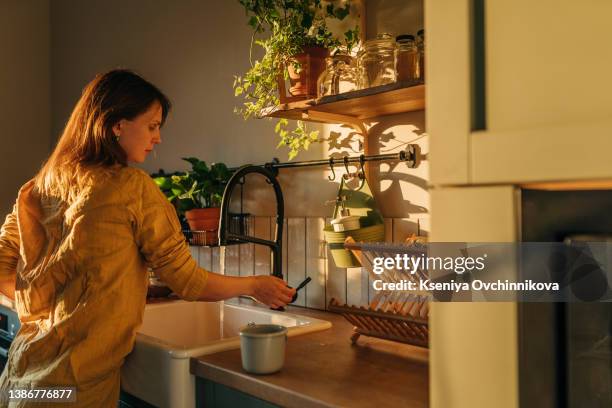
(383, 60)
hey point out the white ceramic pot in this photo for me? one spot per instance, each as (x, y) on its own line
(346, 223)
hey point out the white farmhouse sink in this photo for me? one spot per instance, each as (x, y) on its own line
(157, 370)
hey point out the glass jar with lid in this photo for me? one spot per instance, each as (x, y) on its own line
(340, 76)
(377, 61)
(406, 58)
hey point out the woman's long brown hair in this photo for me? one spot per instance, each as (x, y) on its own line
(87, 143)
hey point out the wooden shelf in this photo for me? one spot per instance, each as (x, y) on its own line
(359, 105)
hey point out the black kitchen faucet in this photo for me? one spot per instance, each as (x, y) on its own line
(227, 237)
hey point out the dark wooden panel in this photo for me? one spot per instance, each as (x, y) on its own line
(213, 395)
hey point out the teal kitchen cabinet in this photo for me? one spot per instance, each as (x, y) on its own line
(210, 394)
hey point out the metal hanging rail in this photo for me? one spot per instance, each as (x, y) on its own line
(412, 156)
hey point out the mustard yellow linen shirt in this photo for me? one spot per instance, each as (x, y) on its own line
(81, 285)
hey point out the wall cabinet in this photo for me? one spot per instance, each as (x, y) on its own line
(518, 92)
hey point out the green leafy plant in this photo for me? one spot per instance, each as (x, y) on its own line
(202, 187)
(290, 25)
(296, 139)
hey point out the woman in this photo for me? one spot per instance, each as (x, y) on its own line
(75, 250)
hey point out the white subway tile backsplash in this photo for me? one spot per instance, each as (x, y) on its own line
(305, 254)
(355, 288)
(296, 254)
(336, 279)
(247, 253)
(205, 260)
(214, 263)
(262, 254)
(232, 260)
(195, 253)
(316, 263)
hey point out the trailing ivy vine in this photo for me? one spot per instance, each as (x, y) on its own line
(287, 26)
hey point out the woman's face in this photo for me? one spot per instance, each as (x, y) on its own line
(138, 136)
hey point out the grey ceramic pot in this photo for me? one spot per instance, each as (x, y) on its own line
(262, 347)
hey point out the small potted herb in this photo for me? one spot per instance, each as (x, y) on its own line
(197, 194)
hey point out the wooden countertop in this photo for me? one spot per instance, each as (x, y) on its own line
(323, 369)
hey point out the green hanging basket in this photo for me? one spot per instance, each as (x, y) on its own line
(359, 202)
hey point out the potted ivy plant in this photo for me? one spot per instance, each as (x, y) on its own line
(295, 38)
(197, 194)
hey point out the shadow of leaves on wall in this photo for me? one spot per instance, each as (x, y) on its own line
(341, 143)
(390, 179)
(394, 194)
(400, 190)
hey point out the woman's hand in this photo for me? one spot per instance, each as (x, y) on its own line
(266, 289)
(271, 291)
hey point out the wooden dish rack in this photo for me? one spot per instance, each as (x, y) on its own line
(393, 315)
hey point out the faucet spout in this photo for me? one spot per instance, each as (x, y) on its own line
(227, 237)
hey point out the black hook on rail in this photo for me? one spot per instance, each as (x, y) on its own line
(346, 162)
(331, 167)
(362, 167)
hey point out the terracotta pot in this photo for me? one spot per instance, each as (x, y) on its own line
(304, 83)
(205, 223)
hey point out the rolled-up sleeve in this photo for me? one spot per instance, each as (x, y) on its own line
(162, 244)
(9, 245)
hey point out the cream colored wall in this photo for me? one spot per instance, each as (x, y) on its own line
(400, 190)
(191, 49)
(24, 94)
(393, 16)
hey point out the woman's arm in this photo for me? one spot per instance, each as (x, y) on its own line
(9, 254)
(163, 246)
(267, 289)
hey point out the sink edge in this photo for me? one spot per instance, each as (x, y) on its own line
(178, 352)
(233, 343)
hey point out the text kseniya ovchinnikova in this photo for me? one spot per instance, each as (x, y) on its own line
(412, 264)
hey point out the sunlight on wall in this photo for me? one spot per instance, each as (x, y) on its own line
(400, 190)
